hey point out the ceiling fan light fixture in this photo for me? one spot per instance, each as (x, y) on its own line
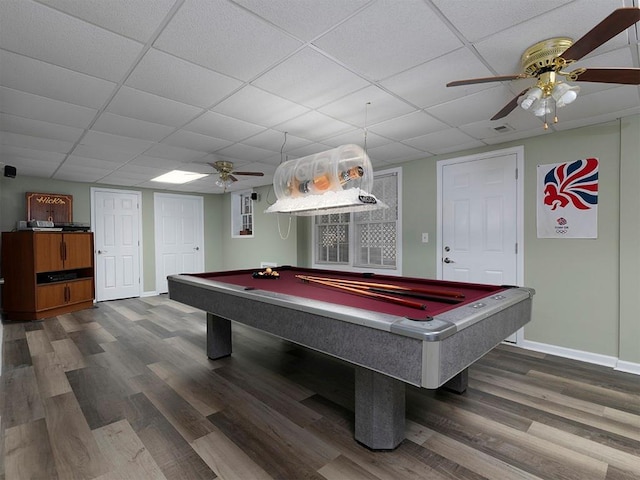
(541, 107)
(224, 182)
(564, 94)
(534, 94)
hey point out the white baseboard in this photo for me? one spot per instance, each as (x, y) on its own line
(149, 294)
(583, 356)
(628, 367)
(595, 358)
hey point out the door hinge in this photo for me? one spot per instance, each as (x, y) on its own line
(516, 248)
(516, 173)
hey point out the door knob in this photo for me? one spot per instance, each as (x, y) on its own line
(448, 260)
(101, 251)
(196, 248)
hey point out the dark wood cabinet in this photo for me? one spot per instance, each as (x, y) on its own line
(46, 273)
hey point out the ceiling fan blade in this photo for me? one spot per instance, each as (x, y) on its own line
(626, 76)
(619, 20)
(509, 107)
(472, 81)
(232, 178)
(255, 174)
(215, 167)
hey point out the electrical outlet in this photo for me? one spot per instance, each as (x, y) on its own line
(425, 238)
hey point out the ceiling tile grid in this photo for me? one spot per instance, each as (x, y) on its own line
(120, 92)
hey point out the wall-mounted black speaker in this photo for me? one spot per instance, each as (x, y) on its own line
(254, 196)
(10, 171)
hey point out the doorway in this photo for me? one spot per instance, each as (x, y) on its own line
(179, 236)
(480, 218)
(117, 227)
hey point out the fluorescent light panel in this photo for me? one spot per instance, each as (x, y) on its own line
(179, 176)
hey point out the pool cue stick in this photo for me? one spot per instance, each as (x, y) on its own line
(359, 291)
(405, 293)
(427, 291)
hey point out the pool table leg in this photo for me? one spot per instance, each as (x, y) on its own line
(380, 410)
(218, 337)
(458, 384)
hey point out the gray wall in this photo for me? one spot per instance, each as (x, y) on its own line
(587, 290)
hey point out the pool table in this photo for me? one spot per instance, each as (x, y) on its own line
(390, 343)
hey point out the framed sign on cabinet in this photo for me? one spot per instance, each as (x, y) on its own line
(53, 207)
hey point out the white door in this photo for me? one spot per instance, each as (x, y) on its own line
(480, 219)
(116, 227)
(179, 236)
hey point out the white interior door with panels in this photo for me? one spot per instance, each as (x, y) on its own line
(117, 231)
(179, 236)
(480, 211)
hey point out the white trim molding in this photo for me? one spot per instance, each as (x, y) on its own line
(628, 367)
(588, 357)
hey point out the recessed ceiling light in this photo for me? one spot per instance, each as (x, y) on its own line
(179, 176)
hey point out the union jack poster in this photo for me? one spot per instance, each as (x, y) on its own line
(568, 199)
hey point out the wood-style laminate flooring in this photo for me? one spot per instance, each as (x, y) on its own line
(125, 391)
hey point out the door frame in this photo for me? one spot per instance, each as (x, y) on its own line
(138, 194)
(519, 153)
(156, 226)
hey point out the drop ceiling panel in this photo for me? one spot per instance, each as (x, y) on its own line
(41, 32)
(310, 78)
(476, 20)
(435, 142)
(370, 105)
(177, 79)
(275, 141)
(136, 19)
(36, 107)
(11, 153)
(176, 154)
(242, 154)
(151, 108)
(196, 141)
(222, 126)
(426, 84)
(408, 126)
(485, 104)
(32, 167)
(47, 80)
(303, 18)
(315, 125)
(357, 137)
(254, 105)
(36, 143)
(36, 128)
(156, 162)
(215, 33)
(393, 153)
(131, 127)
(381, 40)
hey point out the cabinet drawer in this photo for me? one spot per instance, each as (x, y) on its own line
(57, 294)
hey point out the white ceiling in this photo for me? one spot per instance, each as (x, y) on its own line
(119, 91)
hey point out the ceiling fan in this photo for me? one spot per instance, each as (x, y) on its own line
(226, 171)
(546, 60)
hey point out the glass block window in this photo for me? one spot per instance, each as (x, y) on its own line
(332, 234)
(363, 240)
(376, 231)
